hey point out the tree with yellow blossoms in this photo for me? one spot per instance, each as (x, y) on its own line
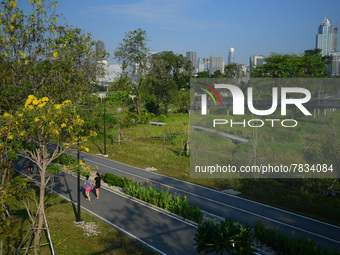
(40, 56)
(41, 132)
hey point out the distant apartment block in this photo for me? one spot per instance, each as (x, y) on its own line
(203, 65)
(335, 64)
(192, 56)
(255, 60)
(100, 49)
(111, 73)
(215, 63)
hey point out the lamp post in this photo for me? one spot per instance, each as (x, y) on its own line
(78, 186)
(78, 172)
(102, 97)
(104, 129)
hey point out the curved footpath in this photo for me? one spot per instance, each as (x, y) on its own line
(159, 231)
(228, 206)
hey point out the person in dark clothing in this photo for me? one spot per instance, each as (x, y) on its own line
(98, 182)
(30, 166)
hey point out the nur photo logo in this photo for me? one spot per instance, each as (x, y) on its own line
(299, 98)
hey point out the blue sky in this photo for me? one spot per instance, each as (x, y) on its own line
(209, 27)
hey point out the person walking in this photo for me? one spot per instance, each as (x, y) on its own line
(98, 182)
(88, 187)
(30, 166)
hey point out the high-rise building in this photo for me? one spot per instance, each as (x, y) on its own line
(215, 63)
(335, 64)
(203, 65)
(327, 37)
(100, 49)
(255, 60)
(200, 65)
(231, 56)
(192, 56)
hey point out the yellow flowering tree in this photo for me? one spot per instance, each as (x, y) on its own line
(7, 157)
(40, 56)
(43, 131)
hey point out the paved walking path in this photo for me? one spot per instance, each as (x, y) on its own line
(164, 234)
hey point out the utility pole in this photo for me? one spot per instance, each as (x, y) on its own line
(104, 129)
(78, 186)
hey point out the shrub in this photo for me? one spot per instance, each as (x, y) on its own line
(228, 236)
(109, 119)
(112, 180)
(158, 197)
(205, 237)
(145, 117)
(152, 106)
(287, 245)
(174, 203)
(53, 169)
(65, 159)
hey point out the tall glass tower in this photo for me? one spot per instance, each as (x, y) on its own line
(327, 37)
(231, 56)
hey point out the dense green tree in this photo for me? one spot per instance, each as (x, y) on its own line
(133, 53)
(72, 72)
(167, 74)
(217, 74)
(230, 70)
(307, 65)
(314, 64)
(204, 74)
(233, 70)
(122, 83)
(38, 56)
(118, 98)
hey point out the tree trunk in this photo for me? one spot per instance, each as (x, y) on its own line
(138, 101)
(138, 105)
(166, 108)
(38, 231)
(40, 215)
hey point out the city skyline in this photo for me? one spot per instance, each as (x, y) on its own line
(205, 26)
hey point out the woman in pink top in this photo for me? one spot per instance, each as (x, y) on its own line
(88, 187)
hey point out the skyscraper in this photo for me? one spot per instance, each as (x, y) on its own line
(200, 65)
(215, 63)
(327, 37)
(192, 56)
(100, 49)
(335, 64)
(231, 56)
